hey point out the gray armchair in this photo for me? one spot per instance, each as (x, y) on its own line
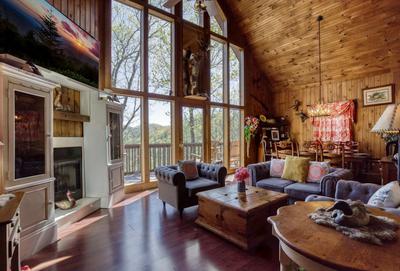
(259, 174)
(353, 190)
(180, 193)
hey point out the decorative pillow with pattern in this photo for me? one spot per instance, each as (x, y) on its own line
(276, 168)
(189, 169)
(388, 196)
(317, 171)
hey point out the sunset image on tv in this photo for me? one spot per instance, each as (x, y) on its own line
(37, 32)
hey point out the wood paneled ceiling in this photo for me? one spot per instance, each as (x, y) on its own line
(358, 37)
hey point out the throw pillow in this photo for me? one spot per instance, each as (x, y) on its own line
(387, 196)
(189, 169)
(276, 167)
(316, 171)
(296, 168)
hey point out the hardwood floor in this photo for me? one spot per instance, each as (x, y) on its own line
(138, 234)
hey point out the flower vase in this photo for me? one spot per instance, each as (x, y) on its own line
(241, 186)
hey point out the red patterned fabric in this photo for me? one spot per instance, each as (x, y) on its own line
(338, 126)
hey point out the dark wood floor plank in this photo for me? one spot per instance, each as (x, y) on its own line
(143, 236)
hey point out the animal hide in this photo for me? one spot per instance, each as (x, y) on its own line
(378, 230)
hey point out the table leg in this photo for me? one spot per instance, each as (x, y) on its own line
(285, 262)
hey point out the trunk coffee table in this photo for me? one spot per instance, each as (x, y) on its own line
(239, 219)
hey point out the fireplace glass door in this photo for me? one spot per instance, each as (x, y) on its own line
(68, 172)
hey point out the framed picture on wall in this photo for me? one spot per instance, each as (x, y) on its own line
(275, 135)
(378, 95)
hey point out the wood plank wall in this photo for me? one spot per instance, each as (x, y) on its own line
(83, 12)
(338, 90)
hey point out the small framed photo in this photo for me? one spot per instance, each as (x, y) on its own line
(275, 135)
(378, 95)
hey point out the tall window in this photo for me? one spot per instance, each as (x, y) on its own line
(192, 133)
(132, 138)
(126, 47)
(190, 13)
(235, 76)
(217, 134)
(235, 136)
(217, 71)
(160, 143)
(217, 19)
(159, 4)
(160, 56)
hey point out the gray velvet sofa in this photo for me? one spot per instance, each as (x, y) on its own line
(354, 191)
(180, 193)
(259, 174)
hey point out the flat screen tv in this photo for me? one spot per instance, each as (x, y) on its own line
(35, 31)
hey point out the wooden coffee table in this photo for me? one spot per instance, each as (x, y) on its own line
(239, 219)
(317, 248)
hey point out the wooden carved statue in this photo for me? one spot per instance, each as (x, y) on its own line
(57, 99)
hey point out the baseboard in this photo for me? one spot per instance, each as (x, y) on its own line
(37, 240)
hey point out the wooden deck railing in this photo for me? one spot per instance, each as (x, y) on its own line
(160, 154)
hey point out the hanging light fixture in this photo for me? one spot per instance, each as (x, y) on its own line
(319, 110)
(200, 5)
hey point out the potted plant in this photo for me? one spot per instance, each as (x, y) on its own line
(250, 129)
(241, 175)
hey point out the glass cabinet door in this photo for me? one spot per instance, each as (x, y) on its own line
(30, 135)
(115, 140)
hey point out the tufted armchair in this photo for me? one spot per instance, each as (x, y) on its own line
(353, 190)
(259, 175)
(181, 193)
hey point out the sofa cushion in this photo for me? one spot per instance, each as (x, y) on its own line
(301, 190)
(387, 196)
(189, 168)
(316, 171)
(276, 168)
(296, 168)
(274, 184)
(200, 184)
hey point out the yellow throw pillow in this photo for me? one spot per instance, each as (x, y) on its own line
(296, 169)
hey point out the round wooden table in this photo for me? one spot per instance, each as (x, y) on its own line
(318, 248)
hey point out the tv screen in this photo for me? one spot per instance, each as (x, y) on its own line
(35, 31)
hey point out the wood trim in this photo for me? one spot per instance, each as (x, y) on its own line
(60, 115)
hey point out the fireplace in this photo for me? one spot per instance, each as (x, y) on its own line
(68, 172)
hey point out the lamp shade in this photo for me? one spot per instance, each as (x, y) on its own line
(389, 122)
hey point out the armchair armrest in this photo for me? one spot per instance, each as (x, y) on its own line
(258, 171)
(329, 181)
(213, 172)
(170, 175)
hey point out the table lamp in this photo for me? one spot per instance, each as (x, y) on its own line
(389, 124)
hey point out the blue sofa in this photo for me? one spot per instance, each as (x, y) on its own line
(354, 191)
(259, 174)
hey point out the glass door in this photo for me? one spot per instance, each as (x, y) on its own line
(193, 133)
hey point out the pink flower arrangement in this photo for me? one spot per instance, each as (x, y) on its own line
(242, 174)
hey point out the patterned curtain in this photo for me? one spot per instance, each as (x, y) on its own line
(338, 127)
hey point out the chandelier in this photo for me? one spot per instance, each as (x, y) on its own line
(320, 109)
(200, 5)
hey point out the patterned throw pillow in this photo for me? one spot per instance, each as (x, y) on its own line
(387, 196)
(276, 167)
(189, 169)
(296, 168)
(317, 171)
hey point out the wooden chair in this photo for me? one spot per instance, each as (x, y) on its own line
(312, 150)
(333, 153)
(284, 148)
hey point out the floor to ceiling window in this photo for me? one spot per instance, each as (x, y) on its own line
(160, 125)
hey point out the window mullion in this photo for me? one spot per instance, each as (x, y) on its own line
(145, 105)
